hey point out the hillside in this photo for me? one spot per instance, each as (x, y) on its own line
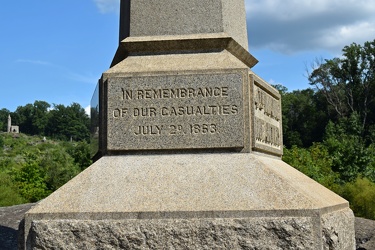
(32, 167)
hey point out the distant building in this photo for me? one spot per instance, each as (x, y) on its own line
(12, 128)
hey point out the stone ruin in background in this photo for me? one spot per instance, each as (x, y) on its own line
(12, 128)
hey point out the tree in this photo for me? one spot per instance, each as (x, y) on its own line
(30, 179)
(304, 117)
(69, 122)
(347, 148)
(32, 118)
(348, 83)
(4, 113)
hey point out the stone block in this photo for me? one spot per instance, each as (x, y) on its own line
(201, 201)
(175, 112)
(195, 101)
(175, 17)
(267, 133)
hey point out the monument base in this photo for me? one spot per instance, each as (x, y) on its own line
(190, 201)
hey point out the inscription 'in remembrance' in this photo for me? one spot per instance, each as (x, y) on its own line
(169, 93)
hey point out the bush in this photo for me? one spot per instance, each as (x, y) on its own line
(1, 143)
(361, 196)
(58, 167)
(314, 162)
(8, 192)
(30, 180)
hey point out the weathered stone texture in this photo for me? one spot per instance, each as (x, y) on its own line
(338, 230)
(175, 17)
(254, 233)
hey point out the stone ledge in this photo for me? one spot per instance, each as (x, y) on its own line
(197, 43)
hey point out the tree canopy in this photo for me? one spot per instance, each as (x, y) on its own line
(56, 121)
(329, 130)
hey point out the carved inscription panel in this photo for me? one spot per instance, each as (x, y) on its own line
(175, 112)
(267, 118)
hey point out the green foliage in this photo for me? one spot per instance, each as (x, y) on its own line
(348, 83)
(317, 163)
(80, 151)
(69, 122)
(361, 195)
(332, 127)
(314, 162)
(60, 122)
(9, 194)
(304, 118)
(369, 171)
(31, 168)
(347, 148)
(4, 119)
(58, 167)
(32, 118)
(30, 180)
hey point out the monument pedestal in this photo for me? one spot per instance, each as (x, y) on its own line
(191, 141)
(191, 201)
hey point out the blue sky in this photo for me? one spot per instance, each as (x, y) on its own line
(56, 50)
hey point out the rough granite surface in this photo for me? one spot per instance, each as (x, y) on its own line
(252, 233)
(338, 225)
(11, 216)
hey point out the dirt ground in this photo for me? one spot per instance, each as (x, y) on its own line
(11, 216)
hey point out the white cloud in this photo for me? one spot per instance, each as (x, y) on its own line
(108, 6)
(37, 62)
(69, 74)
(347, 34)
(88, 110)
(273, 82)
(291, 26)
(84, 78)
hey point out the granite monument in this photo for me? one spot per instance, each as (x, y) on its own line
(189, 143)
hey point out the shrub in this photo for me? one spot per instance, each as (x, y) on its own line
(9, 194)
(361, 195)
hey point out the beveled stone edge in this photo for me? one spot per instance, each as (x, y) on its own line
(202, 43)
(150, 215)
(266, 86)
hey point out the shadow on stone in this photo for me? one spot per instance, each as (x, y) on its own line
(8, 238)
